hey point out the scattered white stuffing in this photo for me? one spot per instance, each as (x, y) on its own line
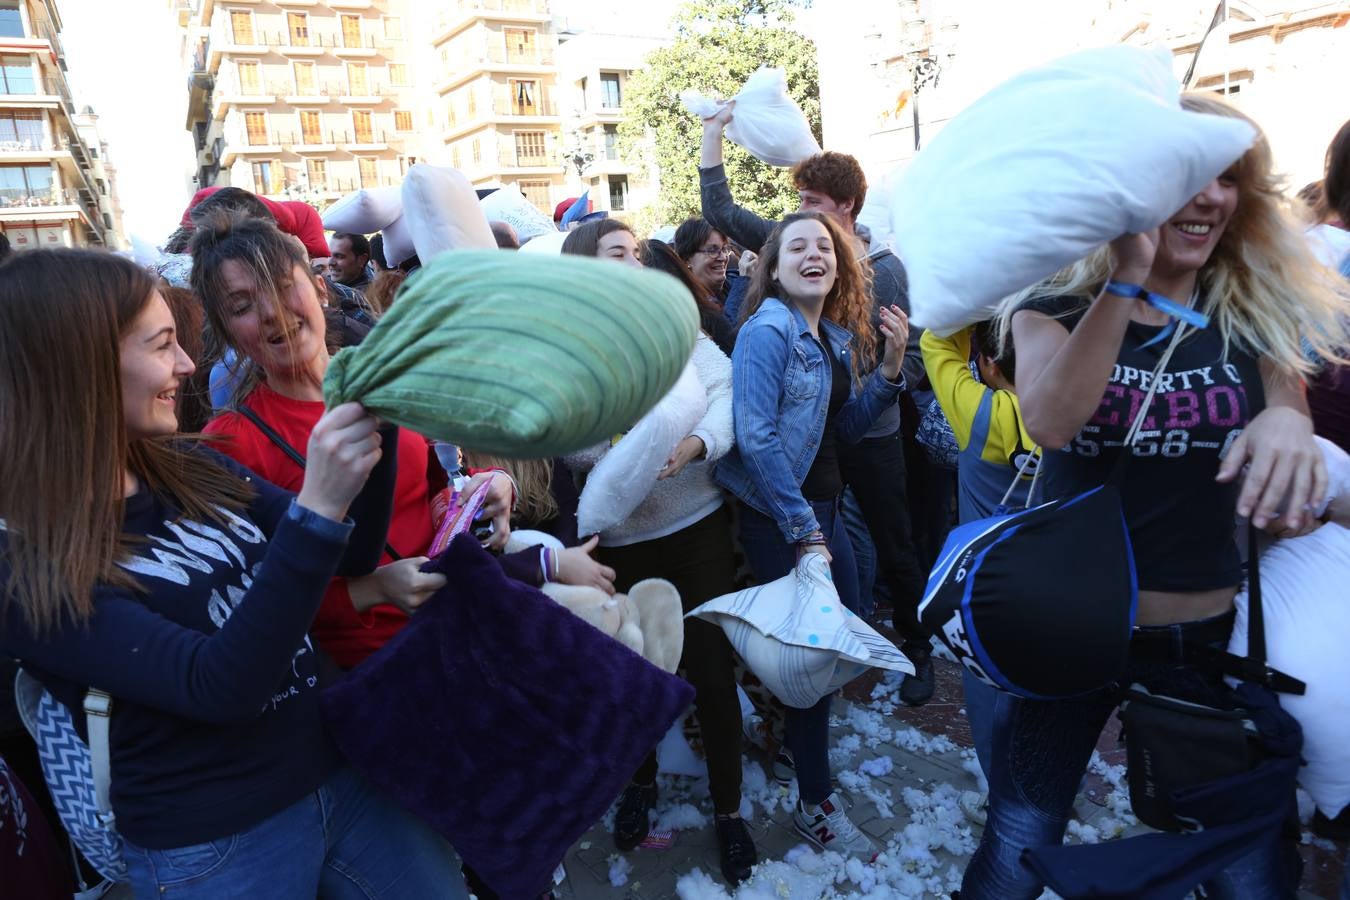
(1079, 833)
(682, 817)
(971, 763)
(619, 869)
(841, 754)
(699, 885)
(852, 781)
(870, 725)
(882, 765)
(916, 741)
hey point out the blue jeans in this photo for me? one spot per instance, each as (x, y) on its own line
(1040, 749)
(770, 558)
(346, 841)
(980, 699)
(864, 554)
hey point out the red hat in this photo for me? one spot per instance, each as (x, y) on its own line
(293, 217)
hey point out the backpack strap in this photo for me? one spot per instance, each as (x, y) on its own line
(98, 717)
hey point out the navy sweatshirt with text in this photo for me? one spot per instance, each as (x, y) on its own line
(215, 722)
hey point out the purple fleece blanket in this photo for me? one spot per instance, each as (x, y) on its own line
(504, 721)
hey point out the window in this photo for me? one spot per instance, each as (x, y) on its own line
(16, 75)
(520, 45)
(393, 28)
(618, 192)
(107, 221)
(311, 127)
(356, 80)
(102, 186)
(351, 30)
(316, 170)
(366, 166)
(524, 95)
(456, 158)
(255, 127)
(537, 193)
(268, 177)
(22, 183)
(403, 120)
(611, 96)
(611, 142)
(585, 101)
(530, 148)
(405, 163)
(361, 123)
(241, 26)
(297, 23)
(477, 148)
(398, 74)
(305, 85)
(11, 22)
(22, 129)
(250, 77)
(473, 104)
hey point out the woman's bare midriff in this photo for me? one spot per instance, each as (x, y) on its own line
(1172, 607)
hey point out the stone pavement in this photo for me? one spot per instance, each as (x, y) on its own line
(902, 770)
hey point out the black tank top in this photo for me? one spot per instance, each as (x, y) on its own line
(823, 480)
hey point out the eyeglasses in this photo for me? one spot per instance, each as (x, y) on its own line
(716, 251)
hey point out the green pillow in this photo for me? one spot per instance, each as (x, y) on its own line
(520, 355)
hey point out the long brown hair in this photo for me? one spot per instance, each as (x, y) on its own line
(534, 477)
(848, 304)
(584, 240)
(62, 316)
(662, 257)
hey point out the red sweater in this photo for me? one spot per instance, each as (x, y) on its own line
(347, 635)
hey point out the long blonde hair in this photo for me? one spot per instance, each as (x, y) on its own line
(1262, 286)
(534, 478)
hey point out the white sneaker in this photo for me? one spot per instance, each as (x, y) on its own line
(784, 768)
(829, 828)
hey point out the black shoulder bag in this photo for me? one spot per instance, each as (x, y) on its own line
(295, 455)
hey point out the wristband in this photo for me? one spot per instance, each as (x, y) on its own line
(815, 538)
(546, 565)
(1190, 316)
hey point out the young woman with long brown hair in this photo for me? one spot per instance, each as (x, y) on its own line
(801, 386)
(181, 584)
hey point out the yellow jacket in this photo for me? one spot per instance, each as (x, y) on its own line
(960, 394)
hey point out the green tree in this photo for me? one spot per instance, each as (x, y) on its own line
(718, 45)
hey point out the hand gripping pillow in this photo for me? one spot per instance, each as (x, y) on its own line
(522, 356)
(1044, 169)
(1307, 623)
(365, 211)
(797, 637)
(515, 724)
(627, 473)
(442, 213)
(509, 205)
(766, 121)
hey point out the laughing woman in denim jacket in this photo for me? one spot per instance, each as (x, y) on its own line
(797, 391)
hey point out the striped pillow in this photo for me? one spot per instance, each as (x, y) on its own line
(523, 356)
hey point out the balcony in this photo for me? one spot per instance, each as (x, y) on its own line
(372, 95)
(350, 4)
(466, 12)
(540, 109)
(48, 90)
(256, 95)
(53, 205)
(311, 142)
(363, 141)
(510, 158)
(30, 149)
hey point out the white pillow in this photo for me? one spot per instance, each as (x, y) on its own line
(627, 473)
(441, 211)
(398, 242)
(797, 637)
(1045, 168)
(364, 212)
(766, 121)
(550, 244)
(509, 205)
(1307, 623)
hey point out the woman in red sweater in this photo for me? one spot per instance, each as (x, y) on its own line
(262, 301)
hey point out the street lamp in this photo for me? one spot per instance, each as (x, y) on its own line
(920, 56)
(578, 156)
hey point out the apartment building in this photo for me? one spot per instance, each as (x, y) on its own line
(300, 99)
(49, 188)
(496, 86)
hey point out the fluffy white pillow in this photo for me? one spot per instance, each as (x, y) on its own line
(627, 473)
(549, 244)
(1307, 623)
(797, 637)
(441, 211)
(1045, 168)
(509, 205)
(398, 242)
(364, 212)
(766, 121)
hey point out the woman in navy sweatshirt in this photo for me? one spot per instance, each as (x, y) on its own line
(184, 586)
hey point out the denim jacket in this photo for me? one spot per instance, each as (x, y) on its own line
(780, 382)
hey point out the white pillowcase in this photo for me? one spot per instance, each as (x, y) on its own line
(766, 121)
(1045, 168)
(549, 244)
(1307, 622)
(627, 473)
(509, 205)
(441, 211)
(797, 637)
(364, 212)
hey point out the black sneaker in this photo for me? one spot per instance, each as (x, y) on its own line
(917, 689)
(738, 849)
(632, 822)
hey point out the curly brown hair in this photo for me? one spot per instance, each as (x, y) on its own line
(848, 304)
(837, 175)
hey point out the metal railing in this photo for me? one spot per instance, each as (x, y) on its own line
(28, 144)
(283, 40)
(13, 198)
(521, 160)
(36, 86)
